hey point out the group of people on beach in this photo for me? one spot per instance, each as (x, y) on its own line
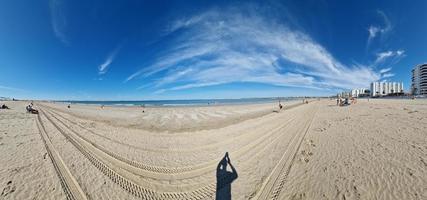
(345, 101)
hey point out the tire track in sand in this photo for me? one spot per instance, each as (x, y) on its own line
(69, 184)
(131, 186)
(176, 173)
(140, 191)
(273, 185)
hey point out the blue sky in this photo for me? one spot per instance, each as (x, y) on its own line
(141, 50)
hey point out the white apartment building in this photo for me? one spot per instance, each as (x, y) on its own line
(343, 94)
(386, 88)
(359, 92)
(419, 80)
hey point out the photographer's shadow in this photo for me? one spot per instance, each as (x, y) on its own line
(224, 178)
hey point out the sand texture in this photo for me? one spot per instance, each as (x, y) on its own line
(369, 150)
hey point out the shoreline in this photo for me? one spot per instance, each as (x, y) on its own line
(171, 118)
(182, 103)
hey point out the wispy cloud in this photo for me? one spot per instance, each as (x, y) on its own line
(378, 30)
(385, 70)
(182, 23)
(373, 31)
(387, 75)
(220, 47)
(383, 55)
(58, 20)
(387, 58)
(3, 87)
(392, 56)
(103, 68)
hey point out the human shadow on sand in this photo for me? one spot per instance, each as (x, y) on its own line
(224, 178)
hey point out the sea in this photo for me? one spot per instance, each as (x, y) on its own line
(192, 102)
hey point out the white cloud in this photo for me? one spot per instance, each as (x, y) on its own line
(373, 31)
(229, 47)
(183, 23)
(387, 75)
(58, 20)
(102, 69)
(393, 55)
(377, 30)
(385, 70)
(383, 55)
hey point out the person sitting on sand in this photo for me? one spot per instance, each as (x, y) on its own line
(30, 109)
(4, 107)
(346, 102)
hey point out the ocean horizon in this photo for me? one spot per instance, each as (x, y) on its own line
(189, 102)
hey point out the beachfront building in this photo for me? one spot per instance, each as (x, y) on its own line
(419, 80)
(344, 94)
(379, 89)
(360, 92)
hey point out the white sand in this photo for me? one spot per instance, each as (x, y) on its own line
(370, 150)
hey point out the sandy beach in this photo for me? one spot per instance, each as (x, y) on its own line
(374, 149)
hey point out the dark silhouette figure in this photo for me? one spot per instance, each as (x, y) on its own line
(224, 178)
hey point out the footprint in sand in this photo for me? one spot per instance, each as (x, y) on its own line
(306, 156)
(311, 143)
(8, 189)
